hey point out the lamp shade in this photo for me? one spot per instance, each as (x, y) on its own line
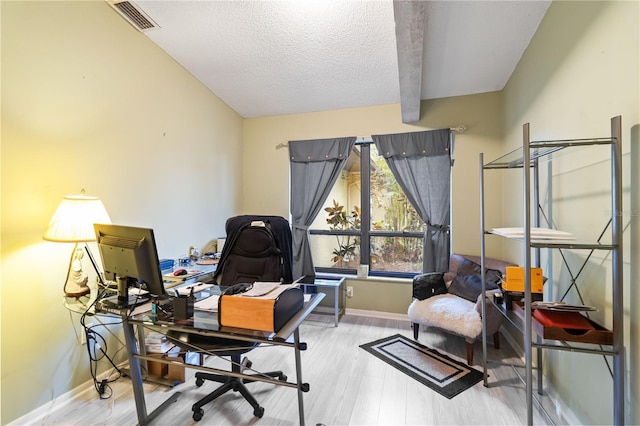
(73, 220)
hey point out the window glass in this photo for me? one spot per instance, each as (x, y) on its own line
(396, 254)
(335, 251)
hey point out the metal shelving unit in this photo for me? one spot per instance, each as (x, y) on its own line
(530, 154)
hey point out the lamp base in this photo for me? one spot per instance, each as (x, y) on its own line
(76, 284)
(75, 289)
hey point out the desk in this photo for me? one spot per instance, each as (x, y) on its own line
(206, 323)
(339, 294)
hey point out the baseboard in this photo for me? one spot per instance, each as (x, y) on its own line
(40, 414)
(377, 314)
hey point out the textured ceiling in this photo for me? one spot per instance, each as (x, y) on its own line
(267, 58)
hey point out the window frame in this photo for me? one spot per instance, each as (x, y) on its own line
(365, 233)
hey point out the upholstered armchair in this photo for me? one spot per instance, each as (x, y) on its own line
(458, 309)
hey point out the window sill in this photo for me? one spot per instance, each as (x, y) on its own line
(376, 278)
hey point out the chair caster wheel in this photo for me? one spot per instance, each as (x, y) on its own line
(282, 378)
(199, 382)
(197, 415)
(258, 412)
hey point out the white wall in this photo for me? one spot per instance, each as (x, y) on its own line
(580, 70)
(89, 102)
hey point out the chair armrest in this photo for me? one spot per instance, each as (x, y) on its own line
(494, 316)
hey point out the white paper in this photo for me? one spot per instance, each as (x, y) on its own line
(273, 294)
(209, 304)
(536, 233)
(186, 290)
(260, 289)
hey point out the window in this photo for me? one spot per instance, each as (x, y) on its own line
(367, 219)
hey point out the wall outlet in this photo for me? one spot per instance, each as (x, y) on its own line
(349, 291)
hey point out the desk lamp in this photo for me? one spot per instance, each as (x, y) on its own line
(73, 222)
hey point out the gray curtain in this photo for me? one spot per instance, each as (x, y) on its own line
(421, 163)
(315, 167)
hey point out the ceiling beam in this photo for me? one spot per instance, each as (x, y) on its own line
(410, 25)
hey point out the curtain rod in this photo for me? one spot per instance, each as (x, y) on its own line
(460, 128)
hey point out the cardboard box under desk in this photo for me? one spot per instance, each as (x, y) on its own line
(168, 371)
(156, 369)
(260, 313)
(175, 372)
(599, 335)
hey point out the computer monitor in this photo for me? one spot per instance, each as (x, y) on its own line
(129, 256)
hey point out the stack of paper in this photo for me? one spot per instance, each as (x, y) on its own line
(536, 233)
(275, 290)
(193, 288)
(210, 304)
(260, 289)
(157, 343)
(561, 306)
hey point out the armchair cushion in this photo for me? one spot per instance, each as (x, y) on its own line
(470, 286)
(447, 312)
(469, 267)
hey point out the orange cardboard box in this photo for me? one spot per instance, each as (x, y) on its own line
(514, 280)
(260, 313)
(156, 369)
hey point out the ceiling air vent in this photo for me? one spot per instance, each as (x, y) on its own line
(133, 14)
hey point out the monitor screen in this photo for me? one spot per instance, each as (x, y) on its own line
(129, 255)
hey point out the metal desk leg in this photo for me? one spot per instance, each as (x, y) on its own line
(336, 303)
(296, 339)
(136, 379)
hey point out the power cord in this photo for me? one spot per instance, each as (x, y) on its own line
(97, 350)
(97, 346)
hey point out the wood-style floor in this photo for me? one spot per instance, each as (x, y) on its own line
(348, 386)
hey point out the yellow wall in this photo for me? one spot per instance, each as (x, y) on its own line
(89, 102)
(580, 70)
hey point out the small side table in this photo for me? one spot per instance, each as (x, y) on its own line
(324, 285)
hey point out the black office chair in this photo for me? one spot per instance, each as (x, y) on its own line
(257, 248)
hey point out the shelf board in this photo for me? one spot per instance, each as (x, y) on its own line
(539, 149)
(560, 243)
(577, 245)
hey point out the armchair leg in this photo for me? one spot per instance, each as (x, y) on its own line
(496, 344)
(416, 328)
(469, 353)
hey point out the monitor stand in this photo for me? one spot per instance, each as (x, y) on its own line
(132, 301)
(124, 300)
